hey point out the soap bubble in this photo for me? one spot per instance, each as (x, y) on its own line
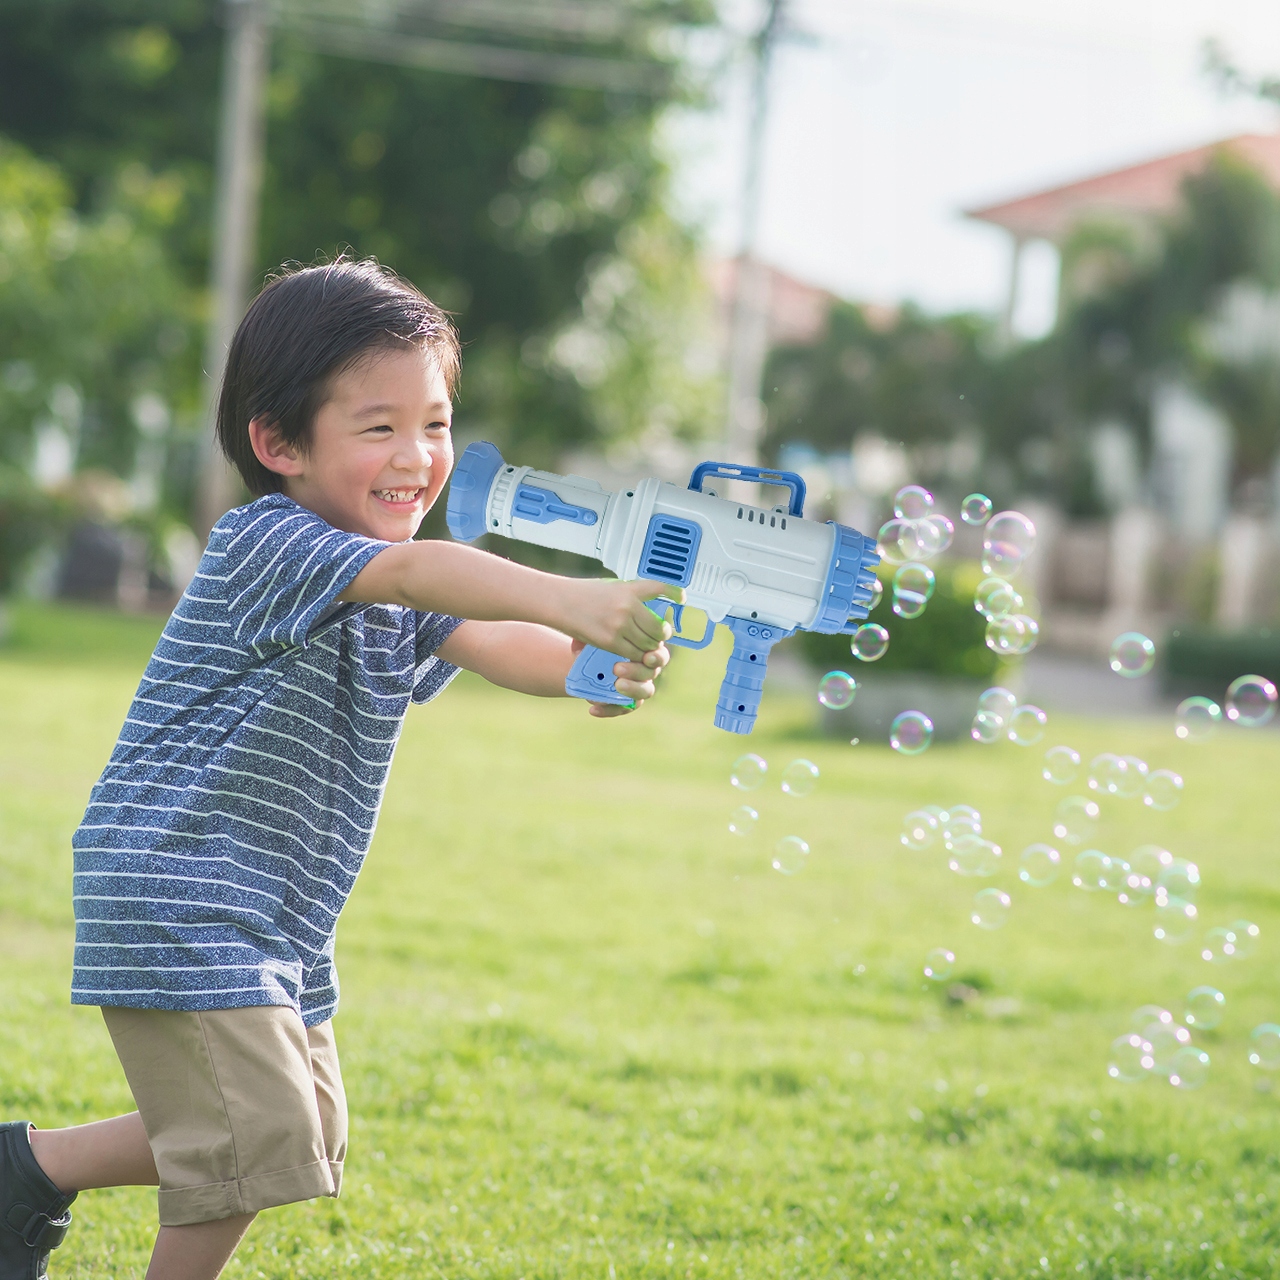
(836, 690)
(1132, 654)
(1105, 773)
(1007, 541)
(1027, 725)
(1012, 636)
(1247, 934)
(1219, 946)
(996, 598)
(1251, 701)
(911, 733)
(1204, 1008)
(975, 509)
(1164, 790)
(870, 642)
(1133, 778)
(1188, 1068)
(1265, 1050)
(799, 778)
(1130, 1059)
(959, 821)
(877, 593)
(748, 772)
(790, 855)
(919, 829)
(986, 728)
(938, 812)
(742, 821)
(998, 702)
(991, 908)
(934, 535)
(1116, 877)
(1091, 870)
(1061, 765)
(912, 588)
(973, 856)
(1148, 1015)
(896, 541)
(1039, 865)
(1166, 1039)
(1149, 861)
(1178, 879)
(1175, 920)
(912, 502)
(939, 964)
(1135, 886)
(1076, 819)
(1196, 719)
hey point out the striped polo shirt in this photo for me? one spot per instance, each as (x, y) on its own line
(229, 825)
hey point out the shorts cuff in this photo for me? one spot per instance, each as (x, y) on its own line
(335, 1170)
(184, 1206)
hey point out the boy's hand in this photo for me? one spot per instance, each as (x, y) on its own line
(613, 617)
(635, 680)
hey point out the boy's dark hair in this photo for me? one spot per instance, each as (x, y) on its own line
(305, 328)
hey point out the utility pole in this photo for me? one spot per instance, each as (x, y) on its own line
(749, 317)
(239, 183)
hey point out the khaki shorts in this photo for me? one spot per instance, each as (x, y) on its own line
(244, 1108)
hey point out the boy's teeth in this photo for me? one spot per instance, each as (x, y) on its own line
(397, 495)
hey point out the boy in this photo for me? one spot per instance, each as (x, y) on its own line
(226, 831)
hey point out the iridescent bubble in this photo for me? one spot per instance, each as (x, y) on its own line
(911, 733)
(1091, 870)
(790, 855)
(800, 778)
(1178, 879)
(1204, 1008)
(986, 728)
(1027, 725)
(1188, 1068)
(870, 642)
(896, 541)
(836, 690)
(1219, 946)
(1013, 635)
(1130, 1059)
(1264, 1046)
(877, 593)
(938, 812)
(991, 908)
(998, 702)
(1117, 875)
(1132, 655)
(743, 820)
(912, 502)
(919, 829)
(975, 509)
(1135, 886)
(1175, 920)
(748, 772)
(1029, 636)
(912, 588)
(973, 856)
(1061, 766)
(939, 964)
(1196, 719)
(934, 535)
(1148, 1015)
(1007, 541)
(1251, 701)
(1166, 1040)
(1039, 865)
(1133, 779)
(1106, 773)
(1247, 934)
(1076, 819)
(1164, 790)
(959, 821)
(996, 598)
(1150, 860)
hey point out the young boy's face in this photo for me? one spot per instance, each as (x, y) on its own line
(380, 449)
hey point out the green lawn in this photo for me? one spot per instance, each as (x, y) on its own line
(588, 1033)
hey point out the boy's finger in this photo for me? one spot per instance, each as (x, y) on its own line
(636, 690)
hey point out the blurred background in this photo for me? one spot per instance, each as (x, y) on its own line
(955, 242)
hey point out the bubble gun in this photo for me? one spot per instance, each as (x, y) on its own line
(764, 573)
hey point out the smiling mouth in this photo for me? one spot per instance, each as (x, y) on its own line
(400, 497)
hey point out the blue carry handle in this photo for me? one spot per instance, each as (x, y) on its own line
(744, 674)
(591, 675)
(735, 471)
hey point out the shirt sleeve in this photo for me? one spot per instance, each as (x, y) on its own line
(284, 569)
(431, 674)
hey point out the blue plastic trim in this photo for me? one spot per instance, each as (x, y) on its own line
(469, 490)
(670, 549)
(736, 471)
(591, 677)
(744, 673)
(541, 506)
(848, 590)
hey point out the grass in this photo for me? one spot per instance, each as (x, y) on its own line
(586, 1033)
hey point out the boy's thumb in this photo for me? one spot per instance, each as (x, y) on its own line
(647, 589)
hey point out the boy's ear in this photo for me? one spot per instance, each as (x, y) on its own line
(272, 450)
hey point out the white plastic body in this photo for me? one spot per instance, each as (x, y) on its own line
(752, 562)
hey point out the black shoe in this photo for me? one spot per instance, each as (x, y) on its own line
(33, 1212)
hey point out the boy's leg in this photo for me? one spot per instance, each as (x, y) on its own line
(199, 1251)
(107, 1153)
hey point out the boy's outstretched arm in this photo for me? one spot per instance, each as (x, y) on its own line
(447, 577)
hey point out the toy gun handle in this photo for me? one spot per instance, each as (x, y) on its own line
(591, 676)
(744, 673)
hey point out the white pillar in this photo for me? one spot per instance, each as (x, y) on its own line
(1242, 556)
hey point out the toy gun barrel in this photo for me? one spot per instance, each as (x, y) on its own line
(763, 572)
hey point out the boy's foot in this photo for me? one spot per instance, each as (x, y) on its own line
(33, 1212)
